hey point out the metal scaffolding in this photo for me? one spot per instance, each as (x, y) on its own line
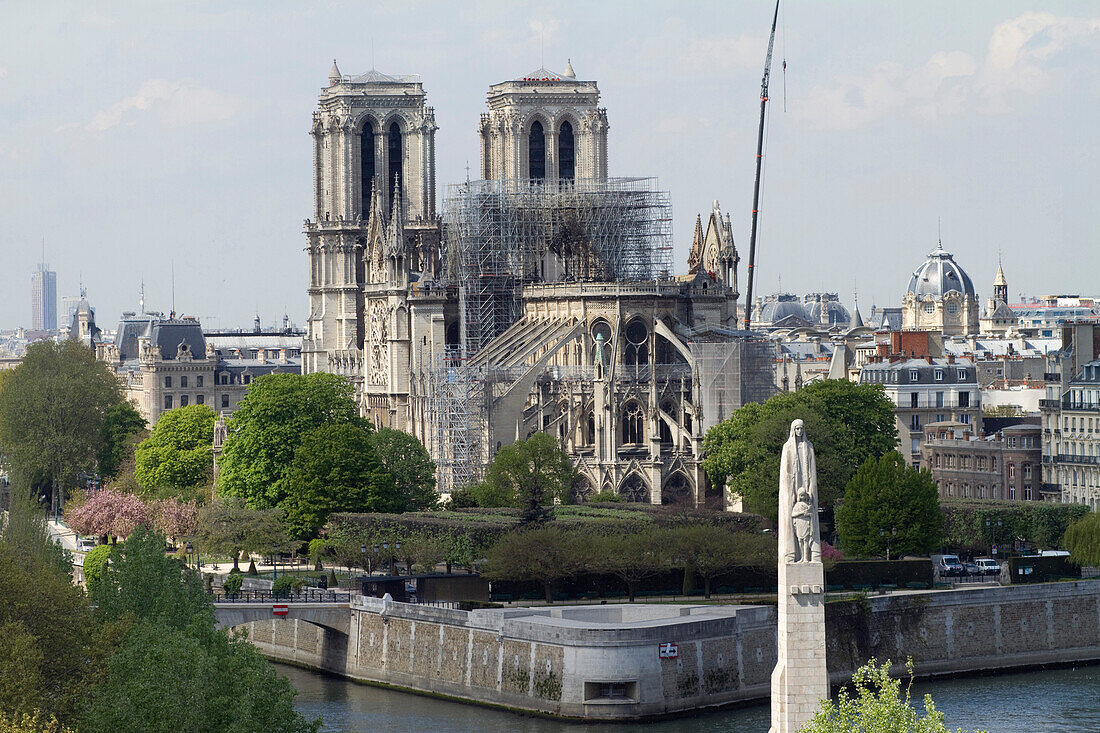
(732, 370)
(456, 414)
(502, 234)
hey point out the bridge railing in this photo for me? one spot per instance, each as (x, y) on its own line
(306, 595)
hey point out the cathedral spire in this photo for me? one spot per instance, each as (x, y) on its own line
(569, 73)
(695, 256)
(334, 76)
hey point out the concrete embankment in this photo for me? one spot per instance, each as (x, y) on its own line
(643, 660)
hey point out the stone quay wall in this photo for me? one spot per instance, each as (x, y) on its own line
(603, 662)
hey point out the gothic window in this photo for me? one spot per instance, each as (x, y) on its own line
(565, 152)
(677, 491)
(633, 424)
(582, 489)
(366, 167)
(536, 149)
(633, 488)
(637, 335)
(393, 146)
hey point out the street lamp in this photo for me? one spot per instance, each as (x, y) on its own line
(365, 560)
(188, 549)
(274, 565)
(893, 533)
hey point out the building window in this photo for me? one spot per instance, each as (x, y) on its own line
(366, 168)
(961, 373)
(964, 418)
(966, 491)
(200, 399)
(633, 424)
(1027, 471)
(394, 157)
(992, 464)
(939, 374)
(1027, 493)
(964, 399)
(536, 151)
(168, 382)
(565, 152)
(183, 382)
(952, 307)
(184, 400)
(940, 417)
(1011, 492)
(914, 375)
(929, 308)
(246, 379)
(198, 381)
(913, 400)
(914, 421)
(225, 401)
(1011, 472)
(167, 402)
(939, 399)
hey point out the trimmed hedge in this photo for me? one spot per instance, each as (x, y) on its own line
(866, 574)
(1041, 569)
(1041, 523)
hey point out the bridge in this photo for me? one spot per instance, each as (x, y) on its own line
(327, 610)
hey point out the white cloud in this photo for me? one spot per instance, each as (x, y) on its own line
(171, 103)
(725, 53)
(952, 81)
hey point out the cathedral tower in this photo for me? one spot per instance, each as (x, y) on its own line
(544, 126)
(373, 150)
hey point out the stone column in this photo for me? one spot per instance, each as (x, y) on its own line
(800, 679)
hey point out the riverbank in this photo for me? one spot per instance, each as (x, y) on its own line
(580, 662)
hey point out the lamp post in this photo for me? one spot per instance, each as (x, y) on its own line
(887, 535)
(188, 549)
(274, 565)
(365, 562)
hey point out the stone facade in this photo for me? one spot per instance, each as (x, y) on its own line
(967, 465)
(941, 298)
(470, 360)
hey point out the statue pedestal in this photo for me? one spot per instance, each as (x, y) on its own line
(800, 679)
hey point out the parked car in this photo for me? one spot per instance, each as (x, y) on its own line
(948, 566)
(988, 566)
(971, 569)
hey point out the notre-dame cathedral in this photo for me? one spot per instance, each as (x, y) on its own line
(542, 299)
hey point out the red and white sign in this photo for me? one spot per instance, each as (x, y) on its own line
(668, 651)
(279, 609)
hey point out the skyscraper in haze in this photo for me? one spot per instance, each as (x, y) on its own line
(43, 299)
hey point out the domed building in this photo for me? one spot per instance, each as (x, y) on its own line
(940, 297)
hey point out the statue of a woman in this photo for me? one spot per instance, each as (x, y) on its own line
(799, 531)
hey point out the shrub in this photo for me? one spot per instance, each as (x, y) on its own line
(286, 584)
(232, 584)
(95, 562)
(610, 496)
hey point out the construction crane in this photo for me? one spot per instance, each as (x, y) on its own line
(759, 166)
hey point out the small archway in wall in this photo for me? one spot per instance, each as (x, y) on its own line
(453, 335)
(566, 154)
(394, 156)
(634, 488)
(367, 170)
(677, 491)
(536, 151)
(402, 325)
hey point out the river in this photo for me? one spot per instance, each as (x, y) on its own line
(1043, 701)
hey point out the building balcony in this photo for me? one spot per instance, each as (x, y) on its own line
(1049, 404)
(1083, 460)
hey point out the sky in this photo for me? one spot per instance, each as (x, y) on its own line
(143, 139)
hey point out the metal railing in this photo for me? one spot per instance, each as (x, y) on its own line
(306, 595)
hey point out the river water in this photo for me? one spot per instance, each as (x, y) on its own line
(1044, 701)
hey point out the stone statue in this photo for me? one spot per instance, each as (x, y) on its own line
(597, 355)
(799, 532)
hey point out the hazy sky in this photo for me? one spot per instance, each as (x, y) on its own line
(138, 136)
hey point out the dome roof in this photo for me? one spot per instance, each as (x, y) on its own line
(774, 311)
(835, 312)
(939, 275)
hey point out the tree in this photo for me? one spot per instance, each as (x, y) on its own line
(53, 409)
(886, 494)
(630, 557)
(228, 527)
(404, 458)
(878, 705)
(174, 518)
(177, 454)
(1083, 540)
(122, 426)
(710, 550)
(529, 474)
(544, 554)
(846, 422)
(335, 469)
(107, 512)
(172, 670)
(269, 425)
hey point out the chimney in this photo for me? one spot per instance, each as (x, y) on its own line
(929, 358)
(950, 358)
(261, 356)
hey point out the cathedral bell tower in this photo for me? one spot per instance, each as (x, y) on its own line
(373, 151)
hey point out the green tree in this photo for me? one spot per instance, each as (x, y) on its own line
(1083, 540)
(878, 705)
(886, 494)
(335, 469)
(95, 562)
(269, 425)
(528, 474)
(177, 454)
(122, 427)
(406, 459)
(172, 670)
(630, 556)
(846, 422)
(53, 409)
(710, 550)
(543, 554)
(228, 527)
